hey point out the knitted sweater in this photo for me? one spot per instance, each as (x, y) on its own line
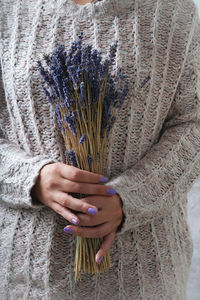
(153, 159)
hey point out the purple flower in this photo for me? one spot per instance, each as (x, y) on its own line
(89, 161)
(48, 95)
(73, 158)
(77, 79)
(82, 139)
(110, 125)
(47, 78)
(113, 51)
(59, 118)
(72, 74)
(70, 119)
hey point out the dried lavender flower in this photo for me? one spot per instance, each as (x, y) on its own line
(82, 139)
(89, 161)
(73, 158)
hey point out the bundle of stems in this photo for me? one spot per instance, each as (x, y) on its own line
(88, 152)
(87, 97)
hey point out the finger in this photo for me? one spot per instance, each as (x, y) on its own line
(86, 188)
(104, 202)
(105, 246)
(89, 232)
(89, 221)
(65, 213)
(78, 175)
(68, 201)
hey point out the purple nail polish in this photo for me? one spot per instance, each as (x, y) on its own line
(100, 259)
(92, 211)
(68, 230)
(74, 221)
(111, 191)
(103, 179)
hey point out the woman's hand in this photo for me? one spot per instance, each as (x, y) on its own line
(103, 225)
(57, 180)
(98, 215)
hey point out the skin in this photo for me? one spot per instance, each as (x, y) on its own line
(52, 188)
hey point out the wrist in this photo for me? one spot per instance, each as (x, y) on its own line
(34, 195)
(123, 216)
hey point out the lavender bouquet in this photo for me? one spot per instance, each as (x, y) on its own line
(87, 96)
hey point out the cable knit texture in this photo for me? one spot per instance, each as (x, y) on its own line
(153, 159)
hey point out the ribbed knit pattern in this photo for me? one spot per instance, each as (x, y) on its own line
(153, 159)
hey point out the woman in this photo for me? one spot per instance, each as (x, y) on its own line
(154, 158)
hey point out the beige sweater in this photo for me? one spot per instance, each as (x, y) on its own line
(153, 160)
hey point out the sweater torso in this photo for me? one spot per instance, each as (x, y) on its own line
(150, 260)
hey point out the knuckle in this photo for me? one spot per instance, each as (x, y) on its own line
(101, 190)
(50, 184)
(58, 210)
(84, 207)
(74, 174)
(80, 206)
(78, 187)
(84, 201)
(56, 167)
(63, 201)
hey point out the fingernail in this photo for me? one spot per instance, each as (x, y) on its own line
(100, 259)
(68, 230)
(103, 179)
(74, 221)
(92, 211)
(111, 191)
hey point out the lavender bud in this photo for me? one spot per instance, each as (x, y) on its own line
(90, 160)
(72, 158)
(82, 139)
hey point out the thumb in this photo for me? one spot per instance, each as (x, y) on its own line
(105, 246)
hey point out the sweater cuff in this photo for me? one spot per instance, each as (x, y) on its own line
(18, 194)
(126, 221)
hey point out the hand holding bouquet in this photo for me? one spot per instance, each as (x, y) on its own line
(87, 98)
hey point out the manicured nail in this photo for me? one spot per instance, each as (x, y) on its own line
(111, 191)
(74, 221)
(100, 259)
(103, 179)
(68, 230)
(92, 211)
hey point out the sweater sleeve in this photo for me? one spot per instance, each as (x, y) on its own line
(155, 184)
(18, 169)
(18, 174)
